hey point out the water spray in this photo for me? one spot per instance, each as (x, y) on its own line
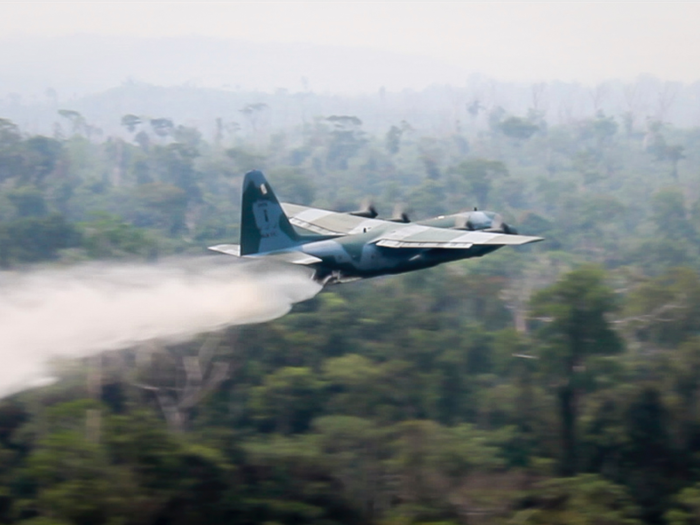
(87, 309)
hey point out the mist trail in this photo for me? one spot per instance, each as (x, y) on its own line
(91, 308)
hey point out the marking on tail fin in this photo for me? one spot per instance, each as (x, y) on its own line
(267, 218)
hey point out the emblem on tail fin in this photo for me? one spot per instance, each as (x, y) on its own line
(264, 226)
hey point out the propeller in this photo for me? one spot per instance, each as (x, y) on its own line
(462, 223)
(400, 214)
(367, 210)
(479, 221)
(497, 224)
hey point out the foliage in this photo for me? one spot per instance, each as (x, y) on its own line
(518, 128)
(478, 176)
(553, 384)
(585, 499)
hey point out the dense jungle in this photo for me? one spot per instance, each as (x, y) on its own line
(557, 383)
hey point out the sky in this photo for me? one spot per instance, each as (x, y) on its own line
(528, 41)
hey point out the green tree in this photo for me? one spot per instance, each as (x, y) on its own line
(291, 185)
(33, 239)
(649, 462)
(10, 154)
(586, 499)
(109, 236)
(288, 400)
(574, 327)
(346, 140)
(355, 450)
(392, 140)
(671, 217)
(686, 507)
(476, 177)
(41, 157)
(289, 481)
(664, 311)
(162, 127)
(162, 205)
(433, 462)
(131, 122)
(29, 201)
(75, 118)
(518, 128)
(351, 377)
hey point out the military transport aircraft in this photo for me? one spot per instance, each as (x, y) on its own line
(342, 247)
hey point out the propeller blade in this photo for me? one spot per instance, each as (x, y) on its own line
(462, 223)
(497, 223)
(400, 215)
(367, 210)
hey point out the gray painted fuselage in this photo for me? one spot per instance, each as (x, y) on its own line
(358, 257)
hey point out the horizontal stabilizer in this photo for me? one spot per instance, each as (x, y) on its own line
(228, 249)
(291, 257)
(288, 257)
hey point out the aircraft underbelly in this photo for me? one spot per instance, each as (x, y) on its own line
(362, 260)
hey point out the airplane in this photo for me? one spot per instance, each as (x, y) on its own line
(342, 247)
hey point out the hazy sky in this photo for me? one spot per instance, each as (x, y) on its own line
(583, 41)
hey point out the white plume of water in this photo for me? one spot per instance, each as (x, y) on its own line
(87, 309)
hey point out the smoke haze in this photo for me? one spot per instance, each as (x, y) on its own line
(532, 41)
(91, 308)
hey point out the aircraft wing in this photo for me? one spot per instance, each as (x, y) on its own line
(327, 222)
(418, 236)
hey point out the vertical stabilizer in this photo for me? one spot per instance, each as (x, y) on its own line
(264, 226)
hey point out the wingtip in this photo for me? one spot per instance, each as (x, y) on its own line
(531, 239)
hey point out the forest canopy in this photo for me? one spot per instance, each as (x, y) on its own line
(556, 383)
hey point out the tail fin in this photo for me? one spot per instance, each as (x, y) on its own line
(264, 226)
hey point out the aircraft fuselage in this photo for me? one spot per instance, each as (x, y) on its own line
(358, 257)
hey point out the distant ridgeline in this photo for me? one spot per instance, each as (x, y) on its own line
(195, 80)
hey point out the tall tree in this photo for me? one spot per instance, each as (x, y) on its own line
(477, 177)
(574, 326)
